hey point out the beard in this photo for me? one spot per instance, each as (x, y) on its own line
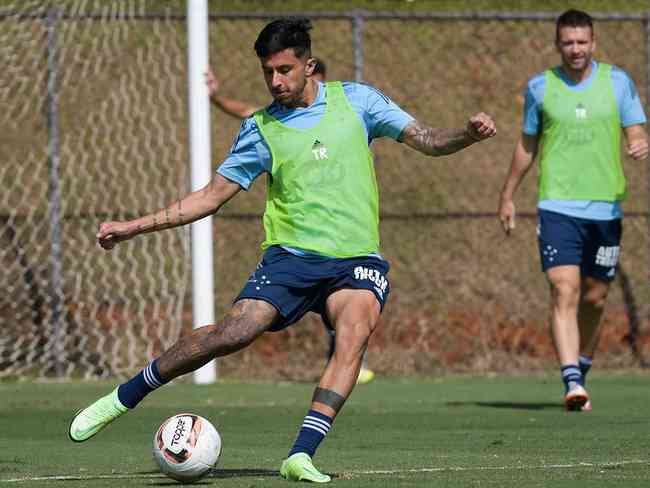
(579, 64)
(291, 98)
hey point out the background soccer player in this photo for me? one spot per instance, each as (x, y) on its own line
(322, 233)
(574, 114)
(243, 110)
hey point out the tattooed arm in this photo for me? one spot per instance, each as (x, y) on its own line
(192, 207)
(438, 142)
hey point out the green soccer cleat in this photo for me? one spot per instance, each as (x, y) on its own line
(87, 422)
(300, 468)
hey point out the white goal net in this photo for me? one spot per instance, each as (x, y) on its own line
(94, 127)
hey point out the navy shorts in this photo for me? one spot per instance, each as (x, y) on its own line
(295, 285)
(593, 245)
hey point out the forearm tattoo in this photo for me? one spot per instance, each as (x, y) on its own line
(435, 142)
(164, 219)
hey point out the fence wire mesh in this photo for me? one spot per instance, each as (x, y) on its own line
(464, 296)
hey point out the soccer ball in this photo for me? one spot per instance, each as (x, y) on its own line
(186, 447)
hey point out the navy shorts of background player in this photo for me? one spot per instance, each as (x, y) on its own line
(593, 245)
(295, 285)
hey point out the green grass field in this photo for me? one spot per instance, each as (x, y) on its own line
(448, 432)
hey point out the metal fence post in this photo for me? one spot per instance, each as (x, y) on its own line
(54, 190)
(357, 45)
(646, 22)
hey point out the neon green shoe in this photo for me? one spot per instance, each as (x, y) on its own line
(366, 375)
(300, 468)
(87, 422)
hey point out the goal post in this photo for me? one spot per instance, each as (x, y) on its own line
(199, 105)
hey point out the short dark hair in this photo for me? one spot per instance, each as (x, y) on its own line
(283, 34)
(573, 18)
(320, 67)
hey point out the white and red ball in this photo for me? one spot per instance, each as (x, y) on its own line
(186, 447)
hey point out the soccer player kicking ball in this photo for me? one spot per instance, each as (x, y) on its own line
(321, 222)
(575, 112)
(243, 110)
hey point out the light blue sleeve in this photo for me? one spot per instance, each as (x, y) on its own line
(629, 104)
(249, 156)
(533, 105)
(381, 116)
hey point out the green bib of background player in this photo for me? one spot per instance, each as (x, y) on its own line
(322, 192)
(581, 141)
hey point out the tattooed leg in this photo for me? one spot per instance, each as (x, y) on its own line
(245, 322)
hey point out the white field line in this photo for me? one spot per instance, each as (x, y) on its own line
(604, 465)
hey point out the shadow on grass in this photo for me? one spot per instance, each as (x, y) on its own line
(224, 474)
(510, 405)
(242, 473)
(221, 474)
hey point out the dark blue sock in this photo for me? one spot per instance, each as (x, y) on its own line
(585, 365)
(314, 428)
(571, 374)
(138, 387)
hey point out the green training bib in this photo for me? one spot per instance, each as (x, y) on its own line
(581, 140)
(322, 191)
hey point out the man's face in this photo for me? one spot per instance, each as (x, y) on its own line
(286, 76)
(576, 46)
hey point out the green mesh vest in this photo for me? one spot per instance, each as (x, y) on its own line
(581, 141)
(322, 192)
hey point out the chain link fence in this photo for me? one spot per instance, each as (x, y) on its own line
(95, 128)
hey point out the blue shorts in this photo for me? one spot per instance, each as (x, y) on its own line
(295, 285)
(593, 245)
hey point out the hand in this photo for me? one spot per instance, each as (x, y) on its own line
(481, 126)
(507, 215)
(212, 82)
(110, 233)
(638, 149)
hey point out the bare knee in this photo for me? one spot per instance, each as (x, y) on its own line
(354, 314)
(595, 296)
(565, 293)
(352, 339)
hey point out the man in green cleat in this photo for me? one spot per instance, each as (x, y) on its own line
(322, 233)
(243, 110)
(87, 422)
(299, 467)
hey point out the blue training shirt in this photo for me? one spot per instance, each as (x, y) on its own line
(630, 112)
(250, 156)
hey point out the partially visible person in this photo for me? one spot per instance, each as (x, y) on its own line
(243, 110)
(573, 117)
